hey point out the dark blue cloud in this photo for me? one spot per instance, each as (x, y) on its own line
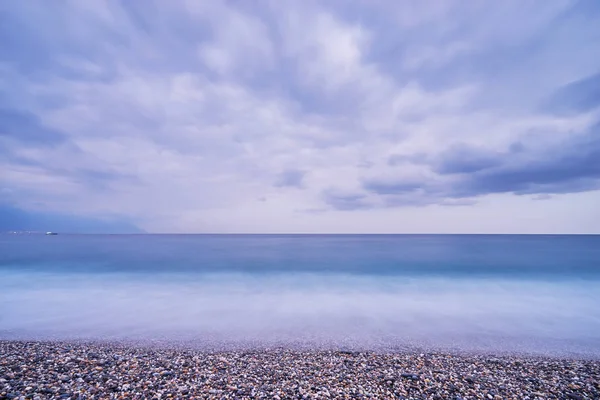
(579, 96)
(345, 202)
(16, 219)
(381, 187)
(575, 168)
(471, 172)
(466, 159)
(290, 178)
(25, 127)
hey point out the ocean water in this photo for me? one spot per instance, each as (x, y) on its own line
(505, 293)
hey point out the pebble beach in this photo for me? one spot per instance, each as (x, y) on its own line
(72, 370)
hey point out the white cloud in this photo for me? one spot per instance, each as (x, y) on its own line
(241, 44)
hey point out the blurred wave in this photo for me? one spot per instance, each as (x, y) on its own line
(102, 290)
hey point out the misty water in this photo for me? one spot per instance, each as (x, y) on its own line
(533, 294)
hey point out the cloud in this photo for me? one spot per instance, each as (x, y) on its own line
(399, 159)
(462, 172)
(346, 201)
(399, 187)
(182, 115)
(464, 159)
(290, 178)
(579, 96)
(26, 127)
(570, 169)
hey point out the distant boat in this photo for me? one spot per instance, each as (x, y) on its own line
(51, 233)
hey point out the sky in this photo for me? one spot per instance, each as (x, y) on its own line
(447, 116)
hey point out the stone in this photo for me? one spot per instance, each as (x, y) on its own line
(413, 377)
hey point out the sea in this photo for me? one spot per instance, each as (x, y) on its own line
(529, 294)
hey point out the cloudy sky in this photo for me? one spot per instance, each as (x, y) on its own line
(300, 116)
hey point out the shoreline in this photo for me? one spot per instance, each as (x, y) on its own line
(209, 345)
(114, 370)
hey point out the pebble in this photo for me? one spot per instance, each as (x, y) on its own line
(69, 370)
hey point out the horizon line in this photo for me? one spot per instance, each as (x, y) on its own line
(297, 233)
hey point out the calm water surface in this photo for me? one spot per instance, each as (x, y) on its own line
(537, 294)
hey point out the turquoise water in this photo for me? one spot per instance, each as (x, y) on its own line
(536, 294)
